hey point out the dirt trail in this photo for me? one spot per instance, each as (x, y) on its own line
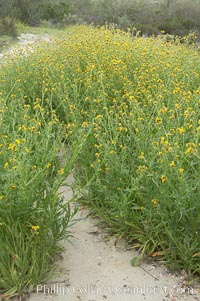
(94, 269)
(25, 44)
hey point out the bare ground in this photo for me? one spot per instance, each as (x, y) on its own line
(94, 268)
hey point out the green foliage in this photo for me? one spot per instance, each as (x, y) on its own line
(5, 41)
(32, 11)
(53, 11)
(8, 27)
(126, 108)
(34, 218)
(174, 17)
(142, 154)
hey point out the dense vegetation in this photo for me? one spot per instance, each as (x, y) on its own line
(133, 134)
(148, 16)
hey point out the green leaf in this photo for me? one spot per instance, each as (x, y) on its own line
(135, 261)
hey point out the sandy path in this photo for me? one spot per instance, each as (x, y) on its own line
(94, 269)
(25, 44)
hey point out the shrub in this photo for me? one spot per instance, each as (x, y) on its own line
(8, 27)
(53, 11)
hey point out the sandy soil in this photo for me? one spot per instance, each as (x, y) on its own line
(94, 268)
(25, 44)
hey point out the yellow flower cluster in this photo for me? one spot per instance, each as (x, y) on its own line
(134, 103)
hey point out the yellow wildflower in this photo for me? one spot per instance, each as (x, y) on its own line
(181, 130)
(188, 151)
(158, 120)
(85, 124)
(172, 164)
(163, 179)
(11, 146)
(6, 165)
(35, 228)
(154, 201)
(181, 170)
(141, 156)
(17, 141)
(61, 171)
